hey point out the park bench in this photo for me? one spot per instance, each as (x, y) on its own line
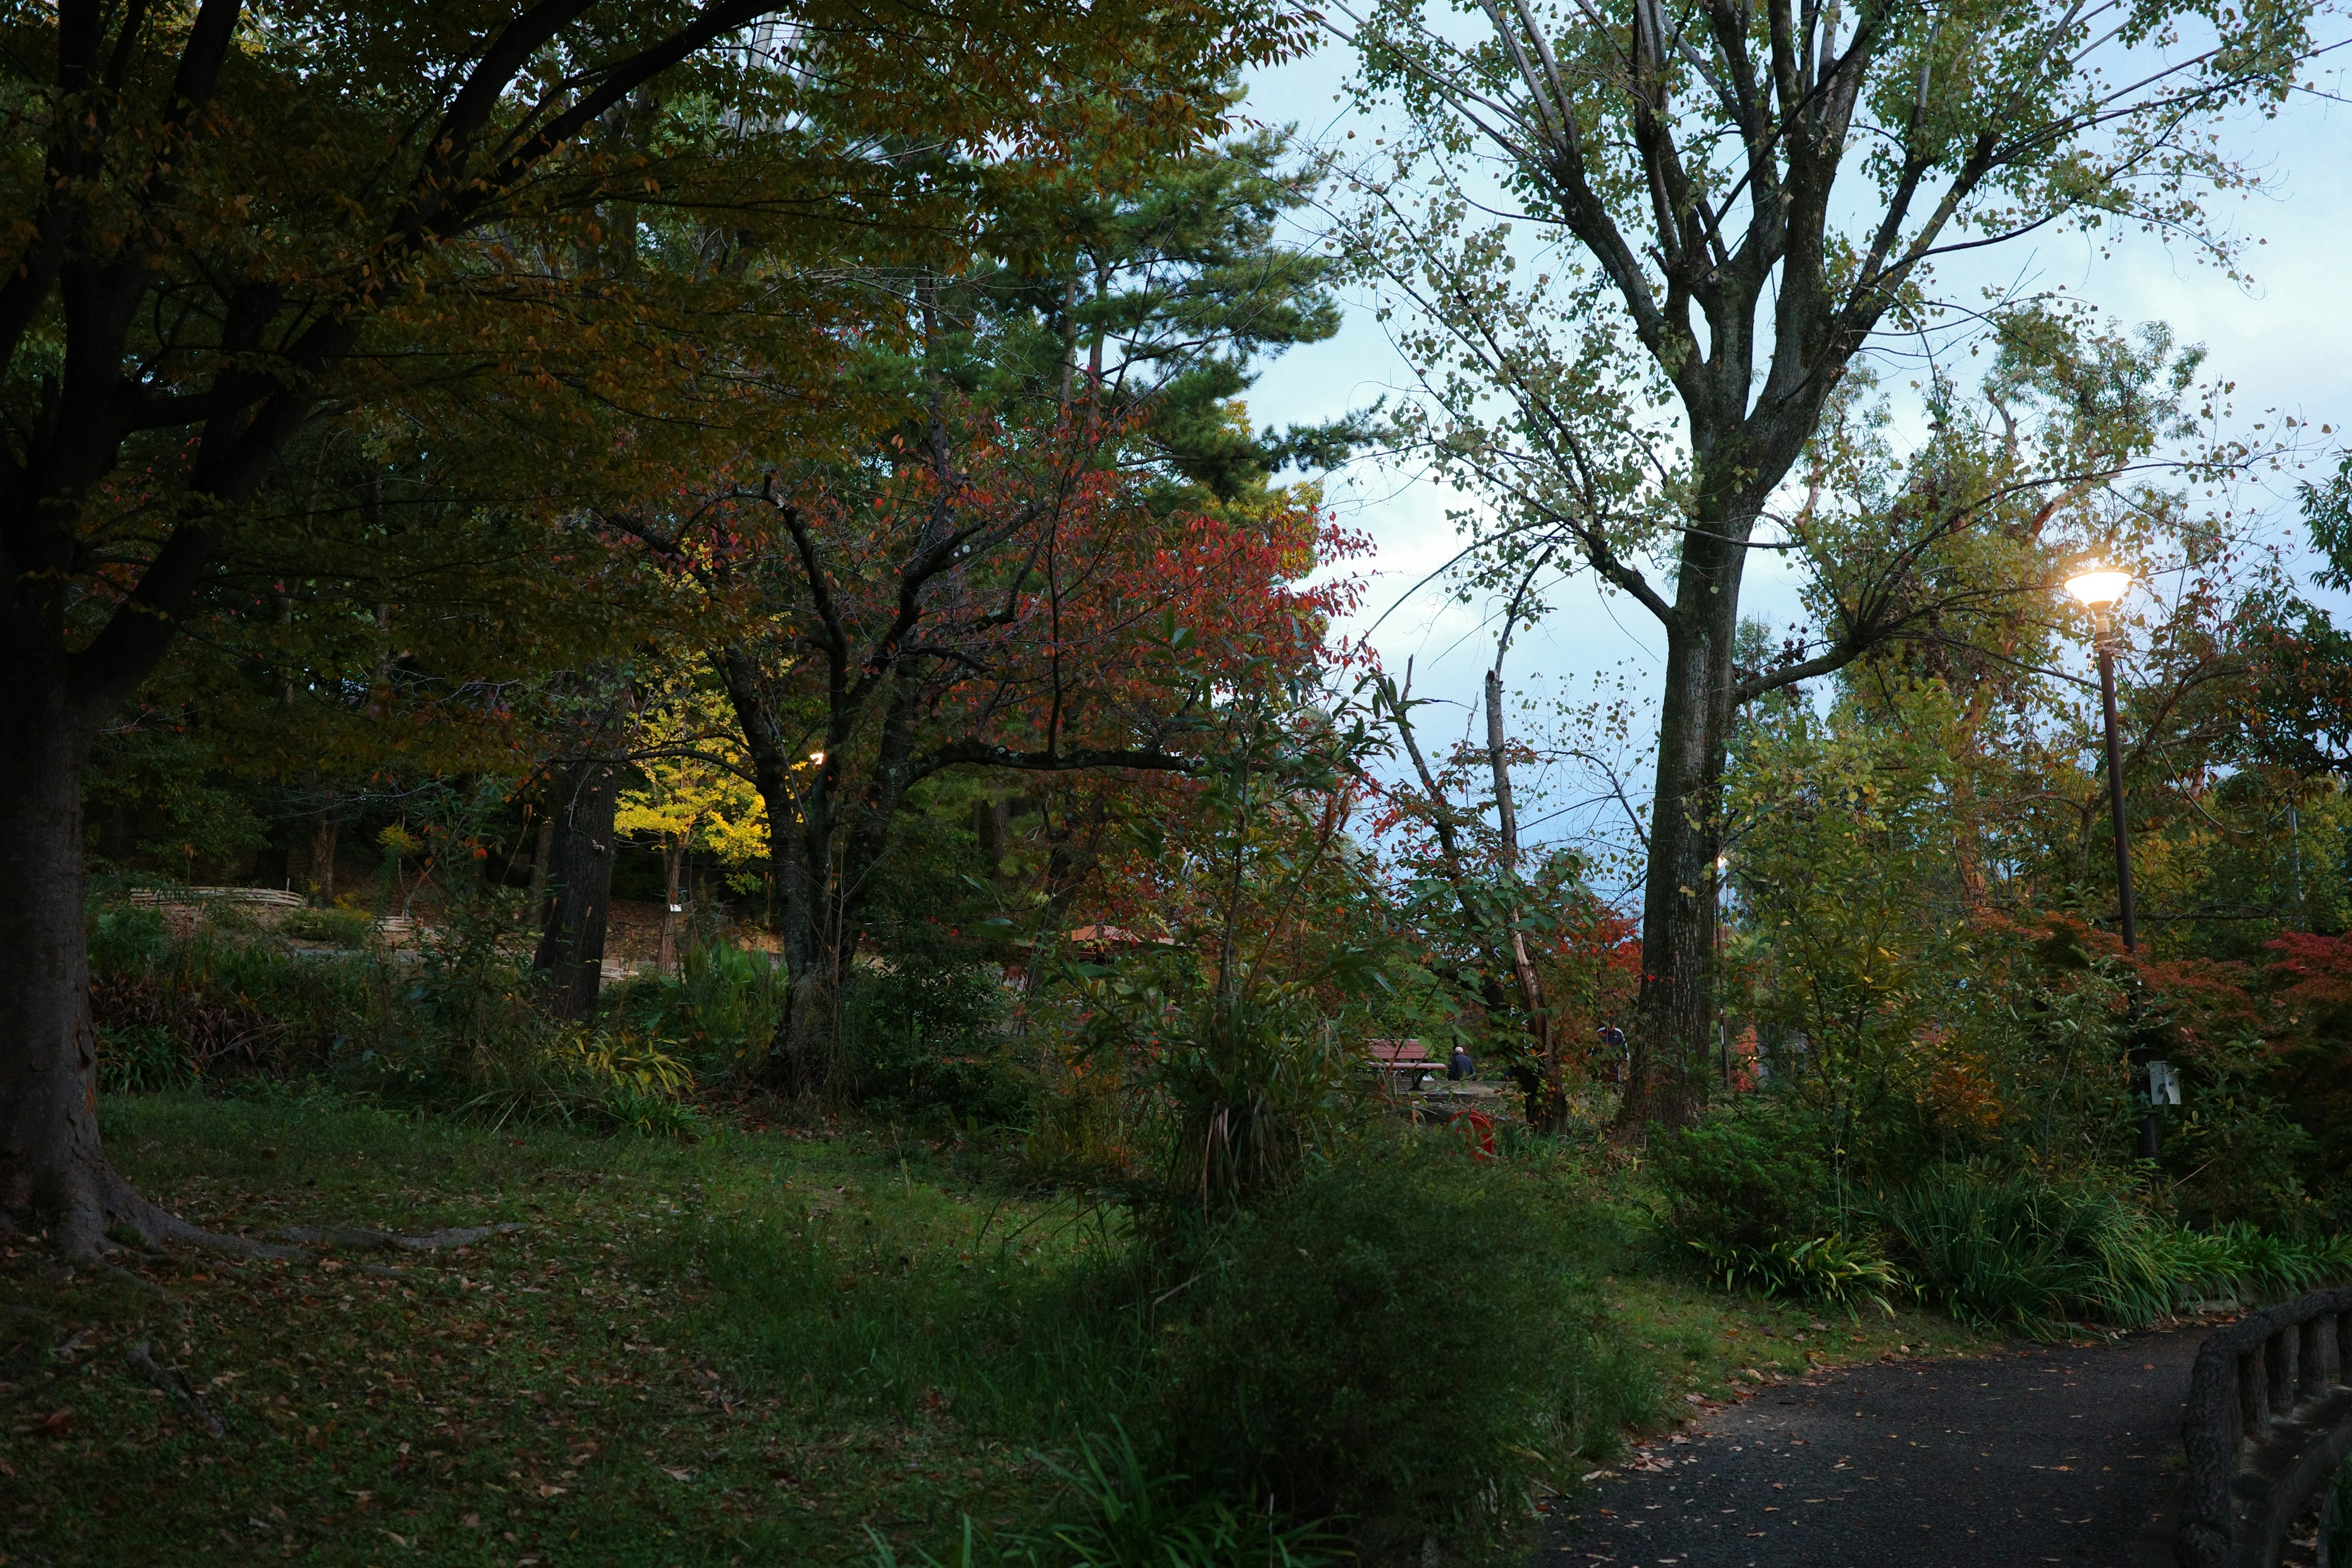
(1407, 1060)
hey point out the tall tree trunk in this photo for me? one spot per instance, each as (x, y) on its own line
(324, 831)
(542, 853)
(1552, 1113)
(673, 868)
(1666, 1077)
(570, 963)
(800, 837)
(53, 1171)
(801, 1059)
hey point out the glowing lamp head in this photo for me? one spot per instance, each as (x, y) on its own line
(2102, 589)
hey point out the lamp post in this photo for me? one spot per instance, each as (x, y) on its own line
(2101, 591)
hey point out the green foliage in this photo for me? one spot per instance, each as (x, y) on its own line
(1247, 1081)
(2014, 1251)
(2023, 1251)
(1399, 1342)
(720, 1009)
(1755, 1189)
(928, 1042)
(454, 1029)
(337, 927)
(1129, 1516)
(1754, 1176)
(599, 1077)
(1758, 1190)
(1834, 1270)
(144, 1058)
(161, 794)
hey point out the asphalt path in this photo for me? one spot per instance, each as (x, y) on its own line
(2040, 1454)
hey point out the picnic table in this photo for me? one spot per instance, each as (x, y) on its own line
(1407, 1061)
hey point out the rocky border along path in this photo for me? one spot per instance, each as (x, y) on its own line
(2042, 1454)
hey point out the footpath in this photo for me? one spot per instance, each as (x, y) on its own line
(2042, 1454)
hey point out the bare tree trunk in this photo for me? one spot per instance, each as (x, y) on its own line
(570, 963)
(1553, 1113)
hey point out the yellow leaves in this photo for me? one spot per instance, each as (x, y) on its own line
(694, 791)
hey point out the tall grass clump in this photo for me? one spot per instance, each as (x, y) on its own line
(1119, 1512)
(2037, 1253)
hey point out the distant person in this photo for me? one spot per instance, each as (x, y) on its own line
(1459, 1065)
(1613, 1050)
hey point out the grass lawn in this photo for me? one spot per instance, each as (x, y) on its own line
(753, 1350)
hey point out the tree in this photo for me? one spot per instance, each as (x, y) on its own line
(1748, 195)
(1065, 529)
(697, 792)
(226, 223)
(1001, 604)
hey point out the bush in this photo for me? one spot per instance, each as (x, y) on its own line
(1397, 1342)
(218, 1006)
(600, 1076)
(1834, 1270)
(928, 1042)
(336, 928)
(455, 1029)
(722, 1008)
(1753, 1175)
(2013, 1250)
(1234, 1092)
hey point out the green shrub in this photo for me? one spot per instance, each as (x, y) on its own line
(1753, 1175)
(336, 928)
(227, 1004)
(456, 1029)
(599, 1077)
(125, 937)
(142, 1058)
(1126, 1515)
(722, 1008)
(927, 1042)
(1243, 1085)
(1398, 1342)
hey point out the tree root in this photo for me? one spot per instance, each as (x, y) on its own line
(356, 1238)
(101, 1218)
(100, 1207)
(175, 1382)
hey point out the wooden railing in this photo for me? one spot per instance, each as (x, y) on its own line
(2269, 1424)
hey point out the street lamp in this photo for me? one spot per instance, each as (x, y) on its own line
(2101, 591)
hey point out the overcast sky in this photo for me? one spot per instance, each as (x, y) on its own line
(2284, 338)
